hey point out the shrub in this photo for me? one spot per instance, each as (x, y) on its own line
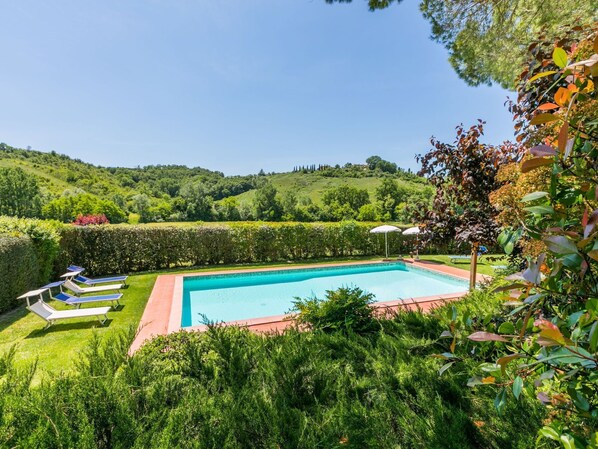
(230, 388)
(86, 220)
(116, 249)
(44, 236)
(346, 309)
(19, 268)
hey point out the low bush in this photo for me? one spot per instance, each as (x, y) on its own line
(116, 249)
(346, 309)
(230, 388)
(87, 220)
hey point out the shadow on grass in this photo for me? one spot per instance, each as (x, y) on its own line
(62, 327)
(7, 319)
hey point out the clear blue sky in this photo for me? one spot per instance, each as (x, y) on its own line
(233, 85)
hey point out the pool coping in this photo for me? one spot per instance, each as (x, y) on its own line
(162, 314)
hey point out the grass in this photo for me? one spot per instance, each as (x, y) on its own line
(54, 348)
(484, 265)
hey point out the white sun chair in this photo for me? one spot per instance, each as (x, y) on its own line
(77, 276)
(51, 315)
(77, 301)
(78, 290)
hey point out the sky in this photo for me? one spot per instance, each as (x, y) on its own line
(234, 86)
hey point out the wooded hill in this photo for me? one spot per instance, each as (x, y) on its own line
(66, 188)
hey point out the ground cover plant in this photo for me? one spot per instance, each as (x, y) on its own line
(230, 388)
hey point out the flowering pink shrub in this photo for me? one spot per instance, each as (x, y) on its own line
(86, 220)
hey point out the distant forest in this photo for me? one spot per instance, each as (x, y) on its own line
(54, 186)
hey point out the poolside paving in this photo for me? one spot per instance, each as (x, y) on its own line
(162, 314)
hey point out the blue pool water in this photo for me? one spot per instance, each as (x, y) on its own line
(230, 297)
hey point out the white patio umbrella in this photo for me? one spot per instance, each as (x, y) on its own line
(384, 229)
(414, 231)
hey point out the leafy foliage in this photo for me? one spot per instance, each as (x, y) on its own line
(86, 220)
(18, 269)
(69, 187)
(464, 174)
(346, 309)
(344, 202)
(266, 204)
(487, 39)
(546, 344)
(68, 208)
(123, 249)
(28, 249)
(20, 196)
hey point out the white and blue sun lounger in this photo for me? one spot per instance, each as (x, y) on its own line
(74, 272)
(91, 282)
(78, 290)
(77, 301)
(51, 315)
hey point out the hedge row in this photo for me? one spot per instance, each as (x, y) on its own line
(124, 249)
(18, 269)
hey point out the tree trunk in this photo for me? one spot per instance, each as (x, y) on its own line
(474, 265)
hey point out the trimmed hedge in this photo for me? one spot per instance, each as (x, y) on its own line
(123, 249)
(28, 250)
(19, 269)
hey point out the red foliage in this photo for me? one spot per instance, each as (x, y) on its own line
(86, 220)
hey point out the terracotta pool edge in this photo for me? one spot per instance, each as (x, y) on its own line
(162, 314)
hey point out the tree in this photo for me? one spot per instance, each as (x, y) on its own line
(344, 202)
(140, 204)
(289, 205)
(488, 39)
(377, 163)
(368, 212)
(389, 194)
(198, 202)
(266, 205)
(464, 175)
(20, 195)
(72, 205)
(228, 209)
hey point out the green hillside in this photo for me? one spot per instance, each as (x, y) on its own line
(68, 188)
(312, 185)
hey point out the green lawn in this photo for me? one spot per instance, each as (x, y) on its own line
(484, 265)
(56, 347)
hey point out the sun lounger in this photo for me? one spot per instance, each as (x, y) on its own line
(454, 259)
(78, 290)
(91, 282)
(79, 300)
(51, 315)
(482, 250)
(74, 272)
(75, 268)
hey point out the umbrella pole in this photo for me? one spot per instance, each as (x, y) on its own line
(386, 242)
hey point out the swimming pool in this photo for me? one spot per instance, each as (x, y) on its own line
(245, 296)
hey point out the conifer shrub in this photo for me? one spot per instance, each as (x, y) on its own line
(230, 388)
(346, 309)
